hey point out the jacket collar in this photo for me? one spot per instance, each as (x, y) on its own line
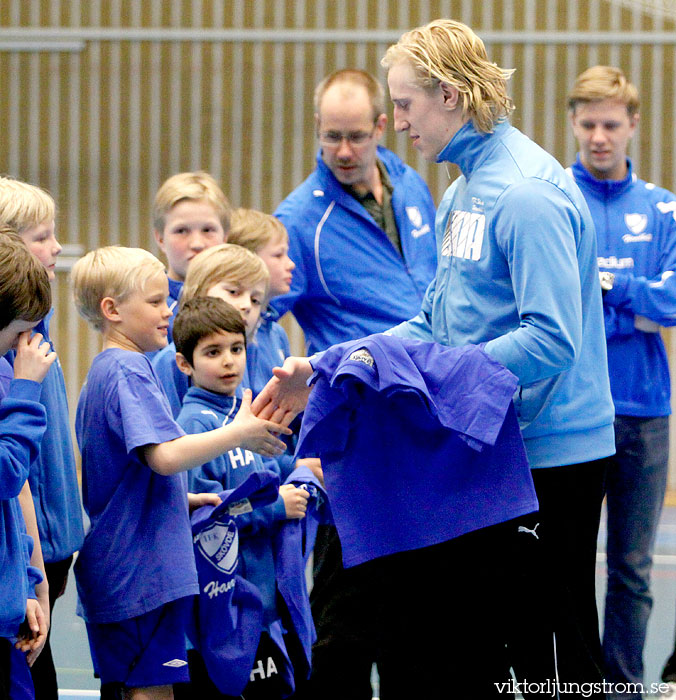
(606, 188)
(469, 147)
(220, 402)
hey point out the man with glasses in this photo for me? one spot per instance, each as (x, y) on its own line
(361, 233)
(361, 226)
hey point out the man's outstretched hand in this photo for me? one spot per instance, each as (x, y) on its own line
(286, 394)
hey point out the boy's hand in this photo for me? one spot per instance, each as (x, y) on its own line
(197, 500)
(295, 501)
(258, 435)
(314, 464)
(33, 632)
(33, 357)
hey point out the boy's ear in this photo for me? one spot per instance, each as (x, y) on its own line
(183, 364)
(159, 238)
(109, 310)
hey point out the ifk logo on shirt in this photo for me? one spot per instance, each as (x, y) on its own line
(219, 545)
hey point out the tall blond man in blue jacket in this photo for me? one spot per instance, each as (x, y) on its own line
(517, 275)
(636, 237)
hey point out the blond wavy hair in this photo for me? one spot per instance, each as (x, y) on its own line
(600, 83)
(448, 51)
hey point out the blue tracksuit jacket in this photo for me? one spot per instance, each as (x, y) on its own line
(517, 271)
(53, 476)
(203, 411)
(349, 279)
(636, 238)
(22, 425)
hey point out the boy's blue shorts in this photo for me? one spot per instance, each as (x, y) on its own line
(144, 651)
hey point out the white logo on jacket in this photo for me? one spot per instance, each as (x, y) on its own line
(415, 217)
(464, 235)
(667, 207)
(615, 263)
(636, 223)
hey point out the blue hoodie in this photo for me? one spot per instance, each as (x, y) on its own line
(636, 238)
(349, 279)
(53, 475)
(203, 411)
(517, 272)
(22, 425)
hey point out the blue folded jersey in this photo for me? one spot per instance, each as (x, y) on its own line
(293, 544)
(419, 444)
(229, 612)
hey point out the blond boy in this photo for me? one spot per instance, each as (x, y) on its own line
(190, 213)
(228, 272)
(136, 571)
(31, 211)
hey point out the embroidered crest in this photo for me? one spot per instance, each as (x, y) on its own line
(362, 355)
(636, 223)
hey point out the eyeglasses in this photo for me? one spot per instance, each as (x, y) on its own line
(354, 138)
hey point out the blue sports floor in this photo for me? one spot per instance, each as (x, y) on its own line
(71, 652)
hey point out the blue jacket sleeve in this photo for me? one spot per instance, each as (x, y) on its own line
(22, 424)
(653, 298)
(419, 327)
(535, 228)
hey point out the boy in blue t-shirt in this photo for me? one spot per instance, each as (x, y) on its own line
(53, 476)
(136, 571)
(25, 298)
(210, 338)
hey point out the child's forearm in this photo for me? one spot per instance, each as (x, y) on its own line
(190, 451)
(28, 510)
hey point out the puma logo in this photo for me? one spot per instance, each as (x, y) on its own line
(522, 528)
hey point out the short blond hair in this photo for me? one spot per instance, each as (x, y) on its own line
(194, 186)
(112, 271)
(223, 262)
(23, 206)
(353, 77)
(448, 51)
(600, 83)
(254, 229)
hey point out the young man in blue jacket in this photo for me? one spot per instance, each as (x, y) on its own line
(361, 226)
(636, 238)
(517, 275)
